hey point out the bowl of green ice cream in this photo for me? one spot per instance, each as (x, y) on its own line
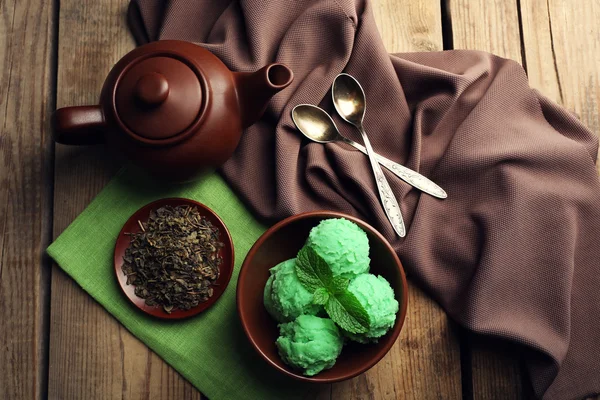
(322, 296)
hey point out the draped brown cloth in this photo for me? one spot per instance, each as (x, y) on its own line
(513, 252)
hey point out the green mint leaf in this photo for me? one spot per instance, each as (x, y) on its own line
(320, 296)
(312, 271)
(305, 272)
(320, 266)
(339, 284)
(307, 278)
(346, 311)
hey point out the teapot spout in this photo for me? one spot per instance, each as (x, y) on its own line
(256, 89)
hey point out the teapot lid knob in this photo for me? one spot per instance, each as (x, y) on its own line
(158, 98)
(152, 89)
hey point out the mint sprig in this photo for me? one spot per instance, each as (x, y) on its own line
(332, 292)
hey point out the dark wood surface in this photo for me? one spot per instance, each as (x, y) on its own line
(91, 355)
(56, 342)
(27, 75)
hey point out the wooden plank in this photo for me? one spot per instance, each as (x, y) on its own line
(407, 25)
(26, 101)
(91, 355)
(425, 361)
(537, 42)
(487, 26)
(492, 27)
(562, 48)
(496, 370)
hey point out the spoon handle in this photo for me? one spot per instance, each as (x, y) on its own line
(388, 200)
(409, 176)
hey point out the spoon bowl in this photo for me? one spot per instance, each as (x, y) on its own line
(315, 124)
(349, 99)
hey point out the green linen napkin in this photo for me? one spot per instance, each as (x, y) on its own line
(210, 350)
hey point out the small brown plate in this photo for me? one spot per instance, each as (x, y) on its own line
(226, 253)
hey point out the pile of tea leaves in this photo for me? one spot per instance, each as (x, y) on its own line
(173, 260)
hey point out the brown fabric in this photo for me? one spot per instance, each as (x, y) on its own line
(513, 252)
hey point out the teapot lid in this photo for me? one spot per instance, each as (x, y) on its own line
(158, 97)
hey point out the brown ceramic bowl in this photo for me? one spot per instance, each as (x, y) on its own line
(282, 242)
(226, 253)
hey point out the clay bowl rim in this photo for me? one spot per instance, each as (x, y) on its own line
(225, 269)
(391, 340)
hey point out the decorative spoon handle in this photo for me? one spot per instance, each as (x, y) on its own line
(409, 176)
(388, 200)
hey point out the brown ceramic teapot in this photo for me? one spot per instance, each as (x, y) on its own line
(173, 108)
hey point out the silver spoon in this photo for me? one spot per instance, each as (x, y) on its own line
(317, 125)
(349, 101)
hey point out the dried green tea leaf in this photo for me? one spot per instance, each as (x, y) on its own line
(173, 261)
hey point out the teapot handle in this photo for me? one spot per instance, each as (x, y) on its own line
(79, 125)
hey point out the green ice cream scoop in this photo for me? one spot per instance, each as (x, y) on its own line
(268, 300)
(343, 245)
(377, 297)
(310, 344)
(285, 298)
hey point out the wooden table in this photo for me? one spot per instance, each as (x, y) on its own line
(55, 341)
